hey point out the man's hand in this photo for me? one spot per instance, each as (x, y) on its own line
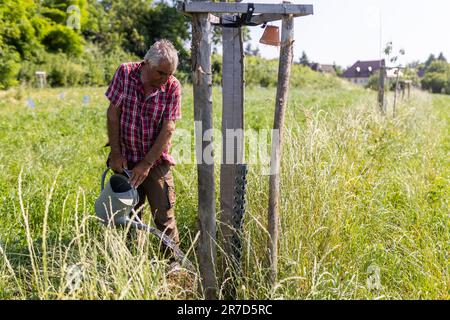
(141, 170)
(118, 162)
(139, 173)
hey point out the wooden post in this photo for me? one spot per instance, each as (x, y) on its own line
(42, 78)
(232, 145)
(381, 88)
(409, 90)
(403, 88)
(202, 83)
(233, 119)
(284, 72)
(395, 94)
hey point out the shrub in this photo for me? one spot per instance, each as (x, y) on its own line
(303, 76)
(63, 72)
(408, 74)
(216, 69)
(437, 77)
(93, 67)
(260, 72)
(63, 39)
(111, 61)
(436, 82)
(92, 59)
(9, 67)
(53, 14)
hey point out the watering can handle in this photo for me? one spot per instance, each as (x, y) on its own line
(103, 178)
(126, 171)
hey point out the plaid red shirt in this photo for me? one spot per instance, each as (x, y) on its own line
(142, 116)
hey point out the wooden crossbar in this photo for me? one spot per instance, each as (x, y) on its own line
(256, 19)
(228, 7)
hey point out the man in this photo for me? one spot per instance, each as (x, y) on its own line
(145, 101)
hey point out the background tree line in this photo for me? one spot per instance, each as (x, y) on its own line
(81, 42)
(432, 75)
(35, 35)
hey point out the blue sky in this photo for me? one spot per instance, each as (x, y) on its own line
(348, 30)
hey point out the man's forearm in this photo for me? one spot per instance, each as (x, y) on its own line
(160, 144)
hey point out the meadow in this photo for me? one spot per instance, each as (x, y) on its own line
(364, 200)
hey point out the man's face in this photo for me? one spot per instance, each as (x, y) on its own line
(158, 75)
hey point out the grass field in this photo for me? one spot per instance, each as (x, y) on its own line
(364, 201)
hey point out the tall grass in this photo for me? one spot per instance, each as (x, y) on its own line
(364, 203)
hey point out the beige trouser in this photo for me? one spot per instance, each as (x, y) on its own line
(159, 189)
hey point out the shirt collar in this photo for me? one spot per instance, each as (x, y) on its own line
(136, 76)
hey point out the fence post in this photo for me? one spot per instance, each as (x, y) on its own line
(202, 83)
(284, 72)
(381, 87)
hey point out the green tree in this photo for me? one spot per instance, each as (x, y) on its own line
(139, 24)
(62, 38)
(429, 61)
(135, 25)
(16, 28)
(18, 38)
(62, 22)
(441, 57)
(411, 74)
(338, 69)
(439, 66)
(304, 60)
(437, 77)
(250, 51)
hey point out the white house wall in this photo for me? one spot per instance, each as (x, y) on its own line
(359, 81)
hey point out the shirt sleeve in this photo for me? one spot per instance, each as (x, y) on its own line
(172, 111)
(114, 93)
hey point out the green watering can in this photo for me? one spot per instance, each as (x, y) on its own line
(115, 205)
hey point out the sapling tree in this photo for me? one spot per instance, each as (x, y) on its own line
(394, 59)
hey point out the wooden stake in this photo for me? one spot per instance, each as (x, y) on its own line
(284, 72)
(381, 88)
(395, 94)
(202, 82)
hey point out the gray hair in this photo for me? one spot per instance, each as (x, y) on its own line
(162, 50)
